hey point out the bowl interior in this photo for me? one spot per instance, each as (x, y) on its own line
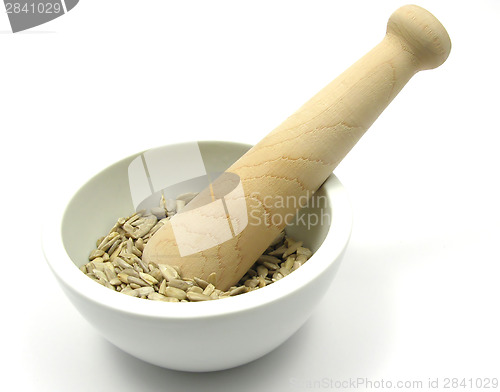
(97, 205)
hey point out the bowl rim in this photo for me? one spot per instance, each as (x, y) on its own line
(70, 276)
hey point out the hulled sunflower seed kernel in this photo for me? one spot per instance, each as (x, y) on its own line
(193, 296)
(139, 281)
(200, 282)
(252, 283)
(278, 251)
(270, 266)
(212, 278)
(123, 277)
(262, 271)
(292, 248)
(115, 282)
(288, 264)
(301, 258)
(195, 289)
(269, 259)
(145, 290)
(131, 292)
(209, 289)
(238, 290)
(148, 278)
(180, 284)
(96, 253)
(168, 272)
(296, 265)
(163, 286)
(157, 297)
(304, 251)
(175, 293)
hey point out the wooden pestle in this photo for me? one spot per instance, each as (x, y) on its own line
(298, 156)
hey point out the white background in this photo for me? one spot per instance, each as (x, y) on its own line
(417, 295)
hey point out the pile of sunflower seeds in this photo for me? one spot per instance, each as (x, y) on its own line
(116, 261)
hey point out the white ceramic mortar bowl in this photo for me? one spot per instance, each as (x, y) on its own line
(167, 334)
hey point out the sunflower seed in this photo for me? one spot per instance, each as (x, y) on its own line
(288, 264)
(139, 281)
(117, 251)
(159, 212)
(148, 278)
(156, 273)
(90, 267)
(153, 230)
(131, 272)
(145, 227)
(179, 284)
(168, 272)
(115, 281)
(123, 277)
(136, 251)
(251, 272)
(195, 289)
(270, 266)
(278, 251)
(292, 248)
(269, 259)
(193, 296)
(143, 265)
(209, 289)
(284, 271)
(99, 265)
(238, 290)
(296, 265)
(122, 263)
(116, 243)
(100, 275)
(187, 197)
(99, 241)
(179, 205)
(139, 244)
(131, 292)
(145, 290)
(254, 282)
(163, 286)
(175, 293)
(212, 278)
(301, 258)
(110, 274)
(304, 251)
(107, 241)
(157, 297)
(262, 271)
(200, 282)
(96, 253)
